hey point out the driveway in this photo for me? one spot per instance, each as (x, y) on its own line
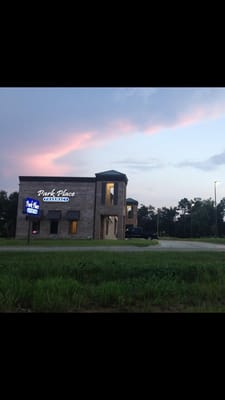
(164, 245)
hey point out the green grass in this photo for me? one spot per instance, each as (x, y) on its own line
(76, 242)
(113, 282)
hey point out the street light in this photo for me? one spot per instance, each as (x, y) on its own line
(216, 225)
(157, 223)
(192, 205)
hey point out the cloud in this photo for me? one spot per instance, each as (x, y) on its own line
(51, 158)
(207, 165)
(143, 94)
(184, 106)
(151, 110)
(135, 165)
(30, 113)
(41, 127)
(46, 161)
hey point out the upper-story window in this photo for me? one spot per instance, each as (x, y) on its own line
(109, 193)
(130, 213)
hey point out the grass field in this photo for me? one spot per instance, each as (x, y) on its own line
(82, 242)
(112, 282)
(76, 242)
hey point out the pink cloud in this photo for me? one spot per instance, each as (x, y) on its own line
(154, 129)
(185, 119)
(201, 113)
(123, 126)
(46, 160)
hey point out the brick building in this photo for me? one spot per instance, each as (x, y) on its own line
(73, 207)
(132, 212)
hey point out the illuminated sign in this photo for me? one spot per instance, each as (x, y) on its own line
(32, 206)
(60, 196)
(56, 193)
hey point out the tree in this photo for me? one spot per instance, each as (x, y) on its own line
(183, 224)
(147, 218)
(197, 218)
(8, 213)
(220, 217)
(3, 212)
(167, 217)
(12, 213)
(184, 205)
(203, 221)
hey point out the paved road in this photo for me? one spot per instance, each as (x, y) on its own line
(164, 245)
(188, 245)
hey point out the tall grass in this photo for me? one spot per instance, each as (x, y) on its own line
(113, 282)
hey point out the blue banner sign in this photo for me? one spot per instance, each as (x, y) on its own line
(32, 206)
(58, 199)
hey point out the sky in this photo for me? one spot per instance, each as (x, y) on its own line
(170, 142)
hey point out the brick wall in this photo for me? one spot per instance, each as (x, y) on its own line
(83, 201)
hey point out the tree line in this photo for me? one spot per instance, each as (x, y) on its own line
(190, 218)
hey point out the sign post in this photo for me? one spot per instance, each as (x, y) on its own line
(28, 232)
(32, 207)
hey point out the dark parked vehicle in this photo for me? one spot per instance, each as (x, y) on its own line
(138, 232)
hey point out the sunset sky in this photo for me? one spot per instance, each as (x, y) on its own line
(170, 142)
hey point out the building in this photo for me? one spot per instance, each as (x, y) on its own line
(132, 213)
(73, 207)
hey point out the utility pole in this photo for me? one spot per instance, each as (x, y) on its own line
(158, 222)
(29, 228)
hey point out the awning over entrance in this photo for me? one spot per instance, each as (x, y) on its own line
(34, 217)
(73, 215)
(53, 214)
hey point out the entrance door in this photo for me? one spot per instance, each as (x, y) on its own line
(109, 227)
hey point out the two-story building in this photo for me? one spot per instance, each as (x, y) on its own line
(73, 207)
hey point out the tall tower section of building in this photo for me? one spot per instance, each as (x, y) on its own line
(110, 207)
(131, 213)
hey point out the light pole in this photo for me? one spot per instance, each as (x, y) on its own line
(192, 205)
(216, 225)
(157, 229)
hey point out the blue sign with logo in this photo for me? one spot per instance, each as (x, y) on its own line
(32, 206)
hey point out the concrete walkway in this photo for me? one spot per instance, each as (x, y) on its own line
(164, 245)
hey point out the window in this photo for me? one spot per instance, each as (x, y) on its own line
(130, 213)
(54, 227)
(109, 193)
(73, 227)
